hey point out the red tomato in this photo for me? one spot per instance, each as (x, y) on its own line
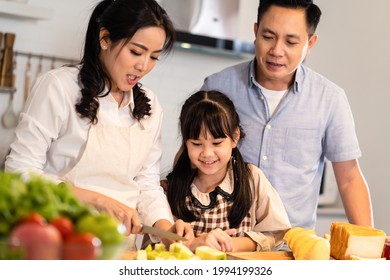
(81, 246)
(64, 225)
(35, 218)
(40, 241)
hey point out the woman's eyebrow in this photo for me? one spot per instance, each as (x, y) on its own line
(145, 48)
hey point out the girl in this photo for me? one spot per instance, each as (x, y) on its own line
(95, 126)
(230, 204)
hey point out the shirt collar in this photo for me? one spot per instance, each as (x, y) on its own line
(226, 185)
(128, 100)
(252, 76)
(208, 200)
(299, 77)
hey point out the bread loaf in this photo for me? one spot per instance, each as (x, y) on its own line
(348, 240)
(306, 245)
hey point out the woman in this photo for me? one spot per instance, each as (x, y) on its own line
(96, 126)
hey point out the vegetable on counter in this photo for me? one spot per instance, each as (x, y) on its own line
(178, 251)
(42, 220)
(19, 198)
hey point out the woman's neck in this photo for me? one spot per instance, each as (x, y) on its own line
(118, 96)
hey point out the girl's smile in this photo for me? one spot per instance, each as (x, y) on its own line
(210, 156)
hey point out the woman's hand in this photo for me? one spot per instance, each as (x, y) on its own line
(126, 215)
(217, 238)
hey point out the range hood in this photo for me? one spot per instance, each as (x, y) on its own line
(207, 23)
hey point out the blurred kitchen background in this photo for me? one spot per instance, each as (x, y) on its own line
(352, 50)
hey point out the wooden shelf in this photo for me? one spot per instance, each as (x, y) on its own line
(24, 10)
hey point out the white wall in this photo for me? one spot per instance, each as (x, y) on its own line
(61, 35)
(352, 51)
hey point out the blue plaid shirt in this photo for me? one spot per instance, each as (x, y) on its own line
(312, 122)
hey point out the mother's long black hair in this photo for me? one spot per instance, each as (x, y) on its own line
(215, 112)
(122, 19)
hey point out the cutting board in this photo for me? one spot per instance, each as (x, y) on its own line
(260, 256)
(238, 256)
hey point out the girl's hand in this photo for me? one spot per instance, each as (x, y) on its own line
(179, 227)
(217, 238)
(183, 229)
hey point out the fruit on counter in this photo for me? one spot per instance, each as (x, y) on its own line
(178, 251)
(361, 241)
(108, 229)
(104, 226)
(20, 198)
(306, 245)
(64, 226)
(81, 246)
(40, 241)
(208, 253)
(34, 217)
(38, 200)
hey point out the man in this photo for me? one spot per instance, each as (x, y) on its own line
(293, 117)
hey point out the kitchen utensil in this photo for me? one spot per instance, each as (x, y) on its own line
(27, 79)
(1, 47)
(53, 63)
(39, 69)
(162, 233)
(10, 118)
(6, 71)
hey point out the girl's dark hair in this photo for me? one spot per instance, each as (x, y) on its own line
(313, 12)
(209, 111)
(122, 19)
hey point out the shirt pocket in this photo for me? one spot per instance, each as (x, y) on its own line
(303, 147)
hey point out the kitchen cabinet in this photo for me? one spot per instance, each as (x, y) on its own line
(22, 10)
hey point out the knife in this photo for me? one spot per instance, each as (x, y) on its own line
(161, 233)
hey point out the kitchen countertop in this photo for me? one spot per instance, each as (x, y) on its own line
(260, 256)
(281, 255)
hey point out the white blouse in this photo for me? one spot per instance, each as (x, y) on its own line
(50, 137)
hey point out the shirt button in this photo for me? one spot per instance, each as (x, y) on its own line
(268, 126)
(264, 157)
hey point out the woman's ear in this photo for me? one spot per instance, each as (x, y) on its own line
(104, 38)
